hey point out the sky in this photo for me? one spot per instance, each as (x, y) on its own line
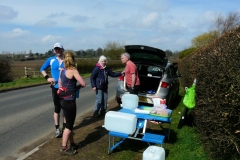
(37, 25)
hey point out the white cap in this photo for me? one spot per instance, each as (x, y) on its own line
(59, 45)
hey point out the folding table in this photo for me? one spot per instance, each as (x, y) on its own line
(141, 124)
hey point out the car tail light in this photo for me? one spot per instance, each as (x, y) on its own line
(165, 85)
(121, 78)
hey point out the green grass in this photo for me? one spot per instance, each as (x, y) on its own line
(25, 82)
(22, 82)
(184, 143)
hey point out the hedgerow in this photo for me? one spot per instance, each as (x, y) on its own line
(5, 71)
(216, 115)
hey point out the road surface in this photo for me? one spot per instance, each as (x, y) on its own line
(27, 116)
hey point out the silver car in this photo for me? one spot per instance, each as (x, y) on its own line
(158, 77)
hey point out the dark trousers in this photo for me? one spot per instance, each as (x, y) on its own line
(56, 100)
(135, 90)
(69, 110)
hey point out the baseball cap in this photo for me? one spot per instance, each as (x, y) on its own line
(58, 45)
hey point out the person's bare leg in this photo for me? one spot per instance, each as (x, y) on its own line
(64, 119)
(71, 138)
(65, 137)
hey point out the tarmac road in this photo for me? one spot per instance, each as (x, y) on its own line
(26, 116)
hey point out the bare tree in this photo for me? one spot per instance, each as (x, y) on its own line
(113, 50)
(99, 52)
(224, 24)
(168, 53)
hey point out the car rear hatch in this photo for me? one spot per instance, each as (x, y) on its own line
(150, 63)
(145, 54)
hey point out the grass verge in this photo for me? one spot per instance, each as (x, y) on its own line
(26, 82)
(184, 143)
(37, 80)
(22, 82)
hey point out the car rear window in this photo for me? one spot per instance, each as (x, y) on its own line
(147, 56)
(148, 70)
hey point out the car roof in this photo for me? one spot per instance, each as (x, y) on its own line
(146, 54)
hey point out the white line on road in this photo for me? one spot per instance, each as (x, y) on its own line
(31, 152)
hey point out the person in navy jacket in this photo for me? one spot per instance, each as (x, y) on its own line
(99, 82)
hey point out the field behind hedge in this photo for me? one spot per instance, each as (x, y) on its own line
(83, 65)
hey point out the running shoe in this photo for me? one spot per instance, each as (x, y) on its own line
(67, 152)
(75, 146)
(95, 115)
(58, 133)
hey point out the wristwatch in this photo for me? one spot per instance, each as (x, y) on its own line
(132, 87)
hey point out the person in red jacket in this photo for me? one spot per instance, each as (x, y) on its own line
(99, 82)
(131, 74)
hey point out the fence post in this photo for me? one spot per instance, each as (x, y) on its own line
(26, 72)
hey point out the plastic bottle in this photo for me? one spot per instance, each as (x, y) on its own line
(154, 153)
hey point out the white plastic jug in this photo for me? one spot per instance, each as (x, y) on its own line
(130, 101)
(154, 153)
(120, 122)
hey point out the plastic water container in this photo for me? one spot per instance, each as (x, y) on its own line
(120, 122)
(130, 101)
(154, 153)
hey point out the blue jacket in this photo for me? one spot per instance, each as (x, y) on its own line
(55, 66)
(99, 77)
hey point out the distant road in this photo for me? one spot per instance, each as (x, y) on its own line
(27, 116)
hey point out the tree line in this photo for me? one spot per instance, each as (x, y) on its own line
(112, 50)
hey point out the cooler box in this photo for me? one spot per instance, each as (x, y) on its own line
(120, 122)
(130, 101)
(154, 153)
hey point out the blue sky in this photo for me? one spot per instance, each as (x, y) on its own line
(88, 24)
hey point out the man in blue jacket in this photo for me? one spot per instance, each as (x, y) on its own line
(99, 82)
(56, 64)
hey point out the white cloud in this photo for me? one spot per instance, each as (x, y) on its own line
(82, 28)
(99, 5)
(16, 33)
(79, 18)
(46, 23)
(51, 39)
(150, 19)
(57, 15)
(7, 13)
(112, 24)
(172, 28)
(159, 40)
(182, 41)
(156, 5)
